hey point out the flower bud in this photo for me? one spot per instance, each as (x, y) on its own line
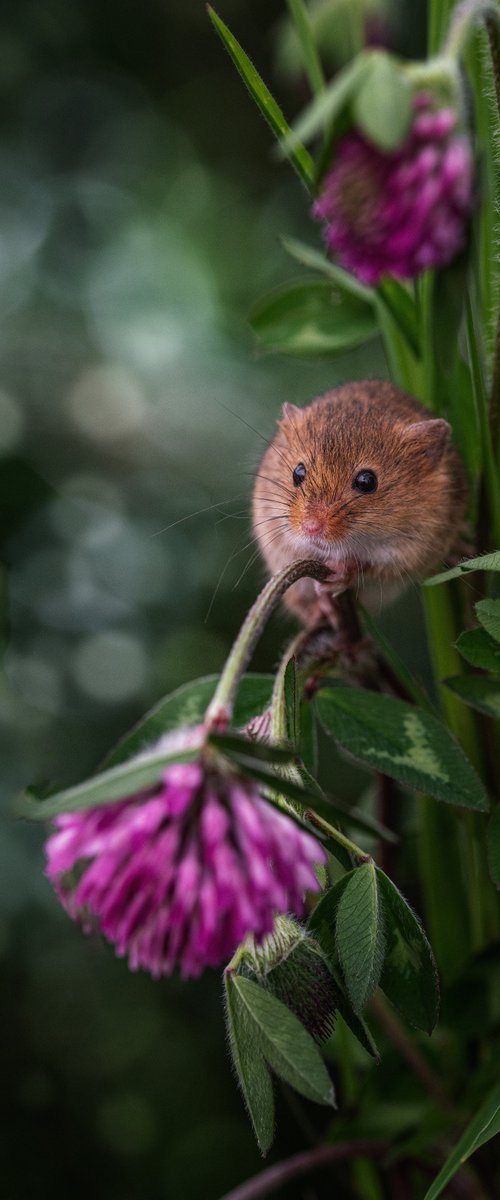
(292, 965)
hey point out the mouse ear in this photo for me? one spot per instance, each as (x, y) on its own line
(290, 411)
(432, 436)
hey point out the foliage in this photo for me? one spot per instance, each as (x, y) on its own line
(363, 933)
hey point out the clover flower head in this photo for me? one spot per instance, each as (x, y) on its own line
(180, 875)
(403, 212)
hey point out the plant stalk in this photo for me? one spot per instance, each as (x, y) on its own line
(220, 709)
(463, 21)
(336, 836)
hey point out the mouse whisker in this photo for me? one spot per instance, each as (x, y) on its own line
(199, 511)
(266, 520)
(272, 498)
(254, 556)
(237, 516)
(275, 483)
(234, 554)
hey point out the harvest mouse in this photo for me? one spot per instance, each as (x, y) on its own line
(367, 481)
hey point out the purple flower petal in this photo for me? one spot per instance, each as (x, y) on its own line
(180, 877)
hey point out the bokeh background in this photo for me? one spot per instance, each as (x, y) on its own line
(140, 217)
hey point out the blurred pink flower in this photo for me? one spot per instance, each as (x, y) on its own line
(181, 875)
(399, 213)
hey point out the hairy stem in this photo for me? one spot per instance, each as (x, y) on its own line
(464, 19)
(494, 417)
(336, 835)
(221, 706)
(493, 30)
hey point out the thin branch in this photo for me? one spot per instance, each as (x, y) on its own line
(275, 1177)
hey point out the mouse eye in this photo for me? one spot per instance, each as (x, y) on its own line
(365, 481)
(299, 474)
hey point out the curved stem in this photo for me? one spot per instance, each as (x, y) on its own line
(302, 1164)
(465, 17)
(220, 709)
(493, 30)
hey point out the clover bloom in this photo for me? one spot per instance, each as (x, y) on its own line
(402, 212)
(180, 875)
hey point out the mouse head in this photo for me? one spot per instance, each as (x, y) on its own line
(359, 474)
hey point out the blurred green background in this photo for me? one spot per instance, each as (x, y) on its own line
(140, 217)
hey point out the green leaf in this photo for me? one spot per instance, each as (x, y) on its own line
(488, 614)
(493, 845)
(477, 356)
(465, 421)
(449, 289)
(486, 562)
(401, 305)
(360, 935)
(312, 318)
(278, 784)
(480, 691)
(298, 155)
(292, 701)
(312, 62)
(326, 107)
(308, 737)
(404, 742)
(484, 1126)
(382, 104)
(322, 925)
(309, 257)
(479, 649)
(126, 779)
(409, 976)
(187, 706)
(251, 1070)
(409, 684)
(285, 1044)
(298, 786)
(236, 746)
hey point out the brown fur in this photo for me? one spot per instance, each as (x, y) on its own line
(403, 530)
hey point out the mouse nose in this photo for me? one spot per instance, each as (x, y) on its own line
(313, 526)
(314, 521)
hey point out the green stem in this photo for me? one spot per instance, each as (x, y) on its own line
(495, 396)
(336, 835)
(445, 837)
(403, 367)
(441, 873)
(493, 31)
(439, 12)
(446, 661)
(220, 709)
(312, 62)
(491, 483)
(279, 715)
(464, 19)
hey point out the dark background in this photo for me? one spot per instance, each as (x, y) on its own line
(140, 216)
